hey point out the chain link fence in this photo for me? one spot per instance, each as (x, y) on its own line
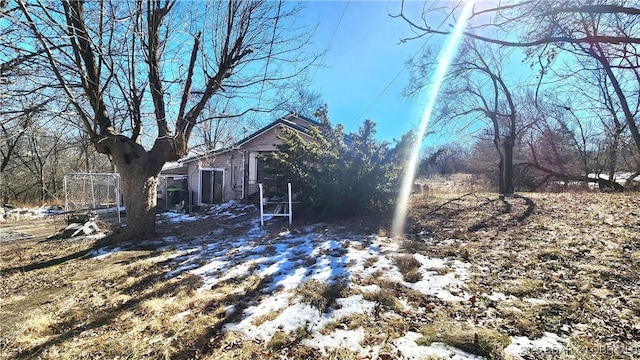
(99, 192)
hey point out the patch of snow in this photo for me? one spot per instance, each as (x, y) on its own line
(430, 263)
(290, 319)
(29, 213)
(97, 236)
(181, 315)
(498, 296)
(522, 347)
(351, 305)
(337, 339)
(285, 260)
(102, 253)
(536, 301)
(217, 232)
(174, 217)
(367, 288)
(447, 287)
(409, 349)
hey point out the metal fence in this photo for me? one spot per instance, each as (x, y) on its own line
(98, 192)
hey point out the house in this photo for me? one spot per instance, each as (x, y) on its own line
(231, 173)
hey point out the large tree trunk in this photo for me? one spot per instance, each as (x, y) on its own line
(139, 171)
(507, 171)
(497, 145)
(505, 166)
(140, 198)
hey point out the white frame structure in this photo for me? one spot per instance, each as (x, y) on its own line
(286, 206)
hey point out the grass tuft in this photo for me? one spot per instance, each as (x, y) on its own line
(524, 287)
(409, 267)
(278, 341)
(270, 316)
(478, 341)
(36, 328)
(385, 298)
(320, 295)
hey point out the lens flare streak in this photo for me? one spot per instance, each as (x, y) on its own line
(444, 60)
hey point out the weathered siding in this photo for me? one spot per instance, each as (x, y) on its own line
(239, 164)
(230, 163)
(267, 141)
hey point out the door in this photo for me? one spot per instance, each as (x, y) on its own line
(211, 186)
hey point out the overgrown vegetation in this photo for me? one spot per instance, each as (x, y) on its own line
(340, 175)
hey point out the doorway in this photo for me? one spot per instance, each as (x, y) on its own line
(211, 185)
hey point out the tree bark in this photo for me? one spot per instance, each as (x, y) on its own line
(498, 146)
(507, 168)
(504, 147)
(140, 199)
(139, 171)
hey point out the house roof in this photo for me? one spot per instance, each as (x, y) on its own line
(292, 120)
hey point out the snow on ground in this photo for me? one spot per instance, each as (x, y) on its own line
(286, 260)
(29, 213)
(176, 217)
(102, 253)
(411, 350)
(549, 343)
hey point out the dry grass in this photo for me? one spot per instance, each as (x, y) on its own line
(479, 341)
(408, 267)
(563, 263)
(120, 305)
(385, 298)
(321, 295)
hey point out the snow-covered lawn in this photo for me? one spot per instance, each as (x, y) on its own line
(537, 276)
(325, 255)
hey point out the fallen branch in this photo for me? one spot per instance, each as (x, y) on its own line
(449, 202)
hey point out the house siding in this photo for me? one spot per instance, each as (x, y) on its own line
(268, 141)
(239, 162)
(230, 163)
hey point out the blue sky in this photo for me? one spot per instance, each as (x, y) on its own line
(363, 59)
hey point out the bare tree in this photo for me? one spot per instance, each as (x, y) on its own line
(299, 99)
(478, 92)
(604, 31)
(129, 66)
(581, 108)
(12, 132)
(218, 126)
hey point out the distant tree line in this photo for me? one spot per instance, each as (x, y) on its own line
(549, 88)
(553, 161)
